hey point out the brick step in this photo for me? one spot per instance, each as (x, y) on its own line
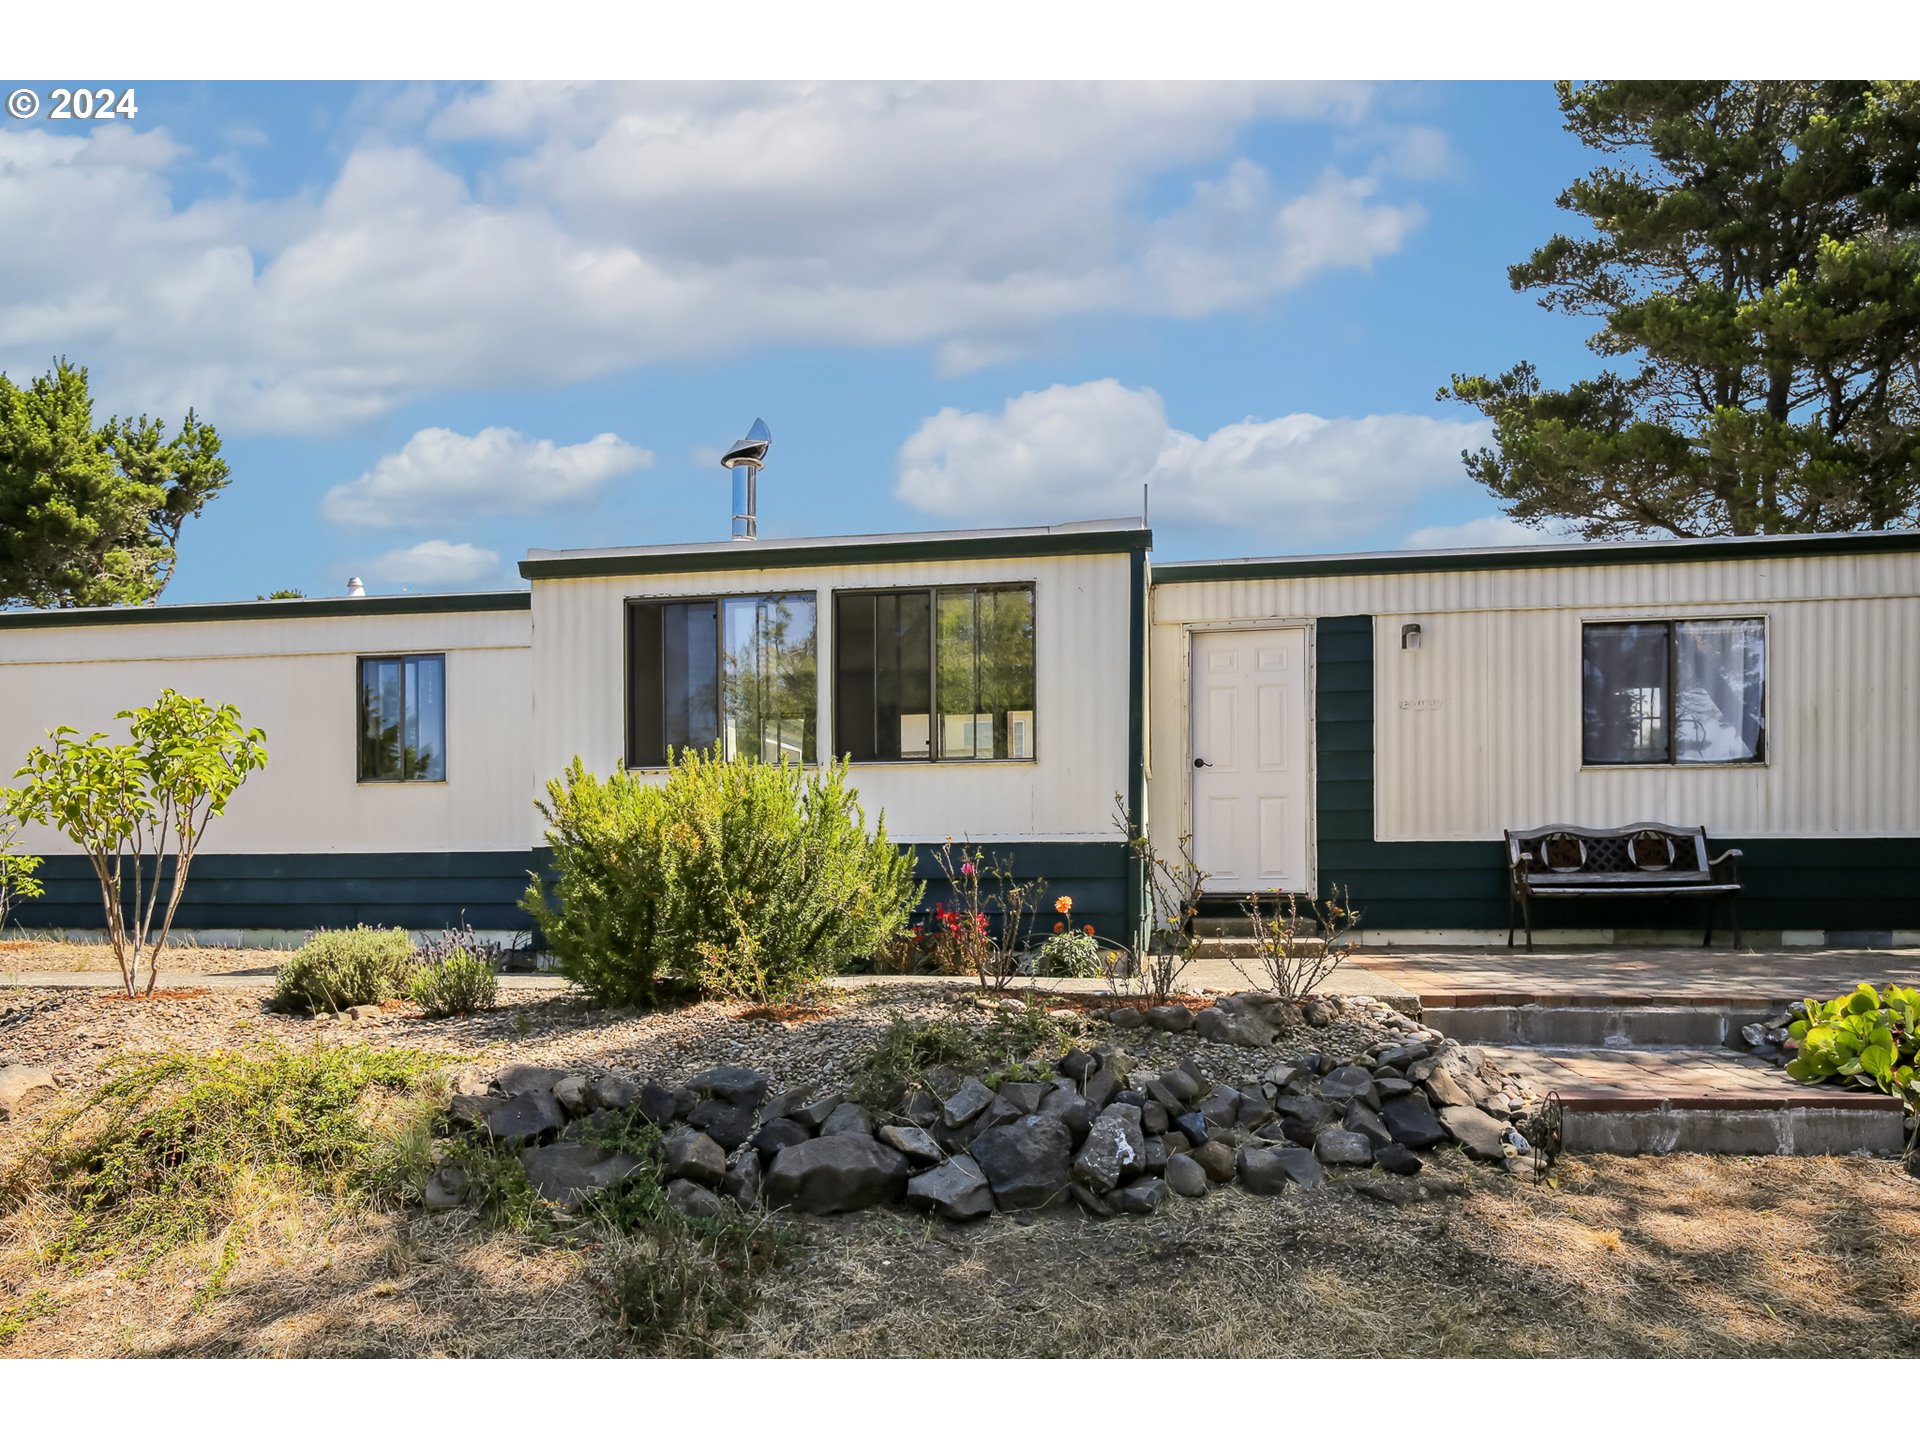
(1654, 1101)
(1606, 1026)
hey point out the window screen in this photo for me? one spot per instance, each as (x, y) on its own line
(1679, 692)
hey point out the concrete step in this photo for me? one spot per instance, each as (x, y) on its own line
(1654, 1101)
(1603, 1025)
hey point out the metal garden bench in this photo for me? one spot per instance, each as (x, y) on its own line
(1557, 861)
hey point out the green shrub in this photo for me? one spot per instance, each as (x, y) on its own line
(1005, 1045)
(731, 878)
(338, 968)
(172, 1149)
(456, 982)
(1866, 1038)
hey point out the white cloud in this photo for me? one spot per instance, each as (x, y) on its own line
(606, 227)
(439, 476)
(435, 562)
(1076, 451)
(1487, 532)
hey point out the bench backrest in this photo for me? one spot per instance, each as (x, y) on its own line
(1650, 849)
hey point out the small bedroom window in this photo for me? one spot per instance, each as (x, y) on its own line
(1674, 692)
(403, 718)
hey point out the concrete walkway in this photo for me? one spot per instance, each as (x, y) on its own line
(1202, 975)
(1763, 978)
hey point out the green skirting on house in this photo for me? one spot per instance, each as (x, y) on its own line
(428, 891)
(1865, 888)
(1094, 873)
(418, 890)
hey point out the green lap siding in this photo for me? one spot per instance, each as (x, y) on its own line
(1858, 890)
(1094, 873)
(425, 891)
(417, 890)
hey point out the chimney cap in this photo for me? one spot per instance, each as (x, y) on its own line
(355, 590)
(751, 449)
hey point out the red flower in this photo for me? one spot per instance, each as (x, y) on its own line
(1058, 926)
(1087, 928)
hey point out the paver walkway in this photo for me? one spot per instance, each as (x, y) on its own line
(1676, 1078)
(1636, 977)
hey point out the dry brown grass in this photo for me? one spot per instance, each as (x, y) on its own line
(1682, 1255)
(1686, 1255)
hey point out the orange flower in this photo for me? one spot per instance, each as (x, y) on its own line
(1058, 926)
(1088, 929)
(1064, 905)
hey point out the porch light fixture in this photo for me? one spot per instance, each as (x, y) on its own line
(1410, 636)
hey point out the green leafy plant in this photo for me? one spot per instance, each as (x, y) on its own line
(338, 968)
(1868, 1038)
(17, 880)
(1069, 954)
(455, 973)
(455, 982)
(139, 810)
(731, 877)
(173, 1149)
(1004, 1045)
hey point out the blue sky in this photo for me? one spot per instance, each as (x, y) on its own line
(440, 325)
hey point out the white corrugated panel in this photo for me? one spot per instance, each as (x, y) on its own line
(297, 680)
(1480, 728)
(1080, 637)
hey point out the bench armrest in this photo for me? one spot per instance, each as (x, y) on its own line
(1729, 861)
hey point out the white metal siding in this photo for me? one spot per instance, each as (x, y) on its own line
(1480, 728)
(296, 679)
(1080, 720)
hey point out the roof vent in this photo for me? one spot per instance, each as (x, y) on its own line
(744, 458)
(355, 590)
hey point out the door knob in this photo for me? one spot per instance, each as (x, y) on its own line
(1198, 763)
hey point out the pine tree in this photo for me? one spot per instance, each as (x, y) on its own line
(92, 515)
(1755, 257)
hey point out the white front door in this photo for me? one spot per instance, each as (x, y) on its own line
(1249, 759)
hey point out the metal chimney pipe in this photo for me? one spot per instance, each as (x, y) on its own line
(745, 459)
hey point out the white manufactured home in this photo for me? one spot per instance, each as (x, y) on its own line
(1373, 722)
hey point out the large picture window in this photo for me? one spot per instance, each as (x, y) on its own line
(403, 717)
(736, 671)
(934, 674)
(1674, 692)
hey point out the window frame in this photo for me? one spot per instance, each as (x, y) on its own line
(360, 664)
(1763, 755)
(718, 599)
(933, 593)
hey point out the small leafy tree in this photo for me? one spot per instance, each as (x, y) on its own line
(16, 870)
(139, 810)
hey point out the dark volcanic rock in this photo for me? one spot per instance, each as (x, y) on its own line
(1025, 1162)
(836, 1173)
